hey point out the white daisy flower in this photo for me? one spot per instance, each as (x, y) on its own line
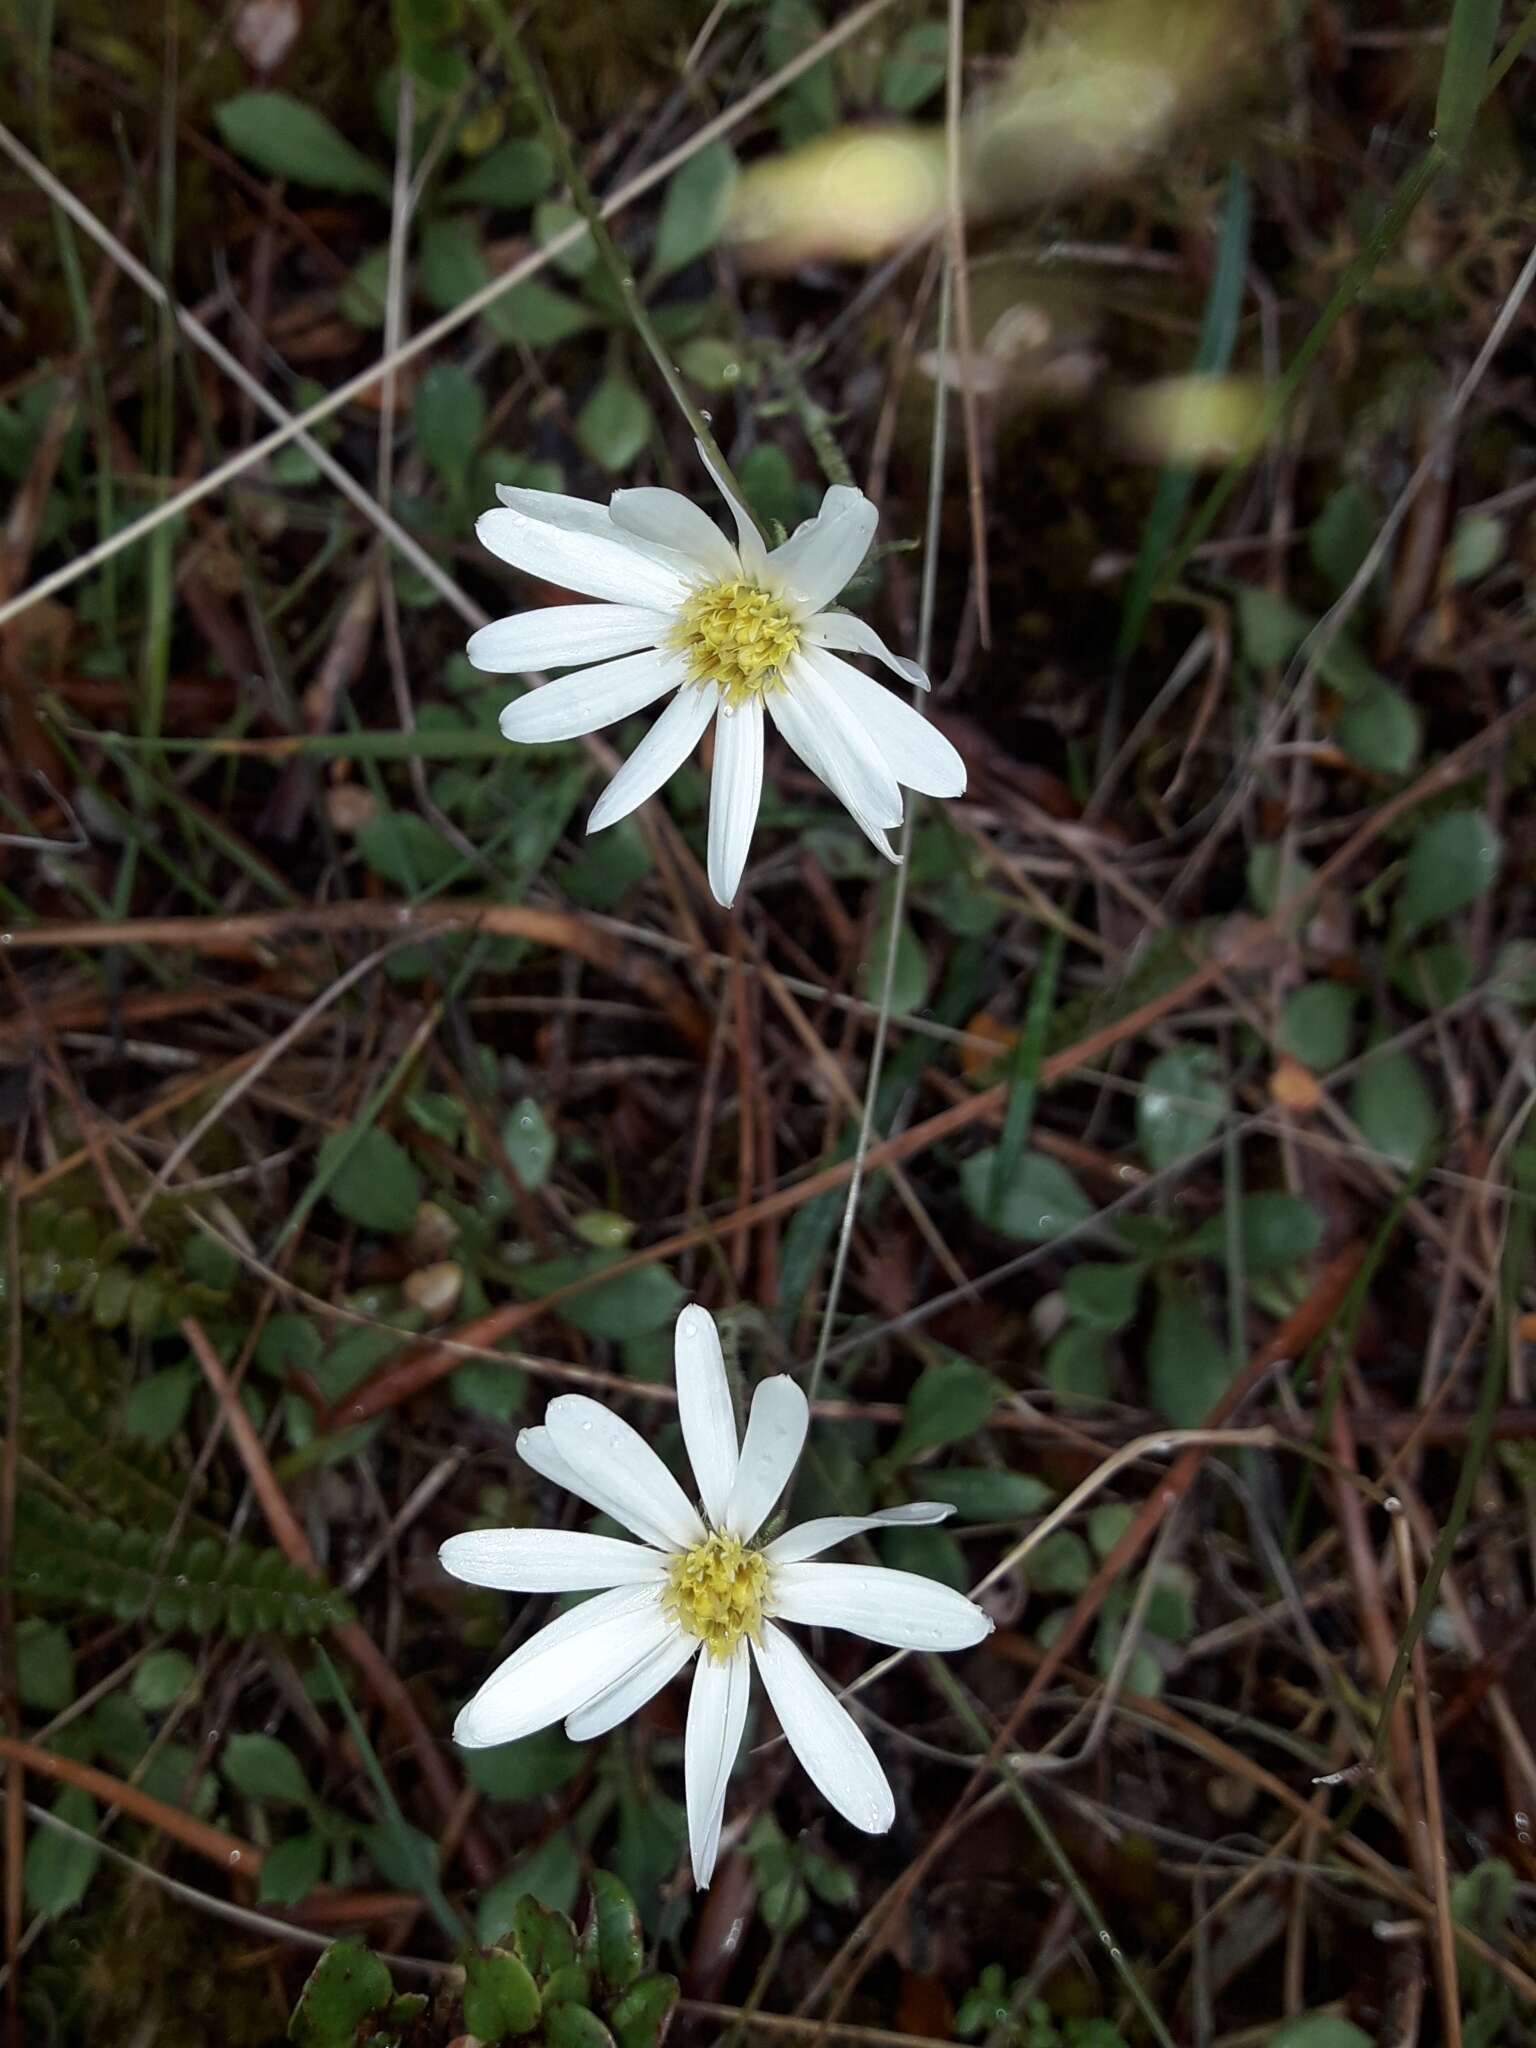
(698, 1580)
(717, 628)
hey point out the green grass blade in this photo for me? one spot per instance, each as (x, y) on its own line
(1464, 75)
(1213, 352)
(1024, 1072)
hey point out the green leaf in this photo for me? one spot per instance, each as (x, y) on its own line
(909, 983)
(511, 176)
(927, 1554)
(641, 2017)
(263, 1768)
(1107, 1524)
(1392, 1105)
(1077, 1364)
(364, 293)
(452, 265)
(407, 851)
(1273, 1230)
(58, 1869)
(537, 314)
(1042, 1200)
(401, 1854)
(1187, 1364)
(280, 135)
(1341, 535)
(1061, 1564)
(1464, 73)
(163, 1679)
(1434, 976)
(289, 1343)
(631, 1306)
(950, 1401)
(1320, 2030)
(985, 1495)
(527, 1768)
(544, 1938)
(157, 1407)
(1104, 1296)
(551, 1874)
(530, 1143)
(1317, 1024)
(370, 1179)
(1182, 1102)
(573, 2026)
(346, 1987)
(1452, 860)
(607, 867)
(1270, 870)
(614, 424)
(1380, 730)
(449, 417)
(292, 1870)
(914, 70)
(714, 364)
(693, 214)
(500, 1998)
(1270, 629)
(1477, 545)
(612, 1941)
(45, 1666)
(486, 1388)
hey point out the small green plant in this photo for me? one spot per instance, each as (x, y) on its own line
(545, 1986)
(987, 2012)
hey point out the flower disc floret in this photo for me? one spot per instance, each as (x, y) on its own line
(716, 1590)
(737, 635)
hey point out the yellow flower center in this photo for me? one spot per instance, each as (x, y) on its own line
(737, 635)
(715, 1591)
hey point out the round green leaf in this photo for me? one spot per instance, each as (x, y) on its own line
(163, 1679)
(1317, 1023)
(500, 1998)
(1450, 863)
(983, 1495)
(530, 1143)
(1392, 1105)
(1273, 1230)
(371, 1179)
(693, 214)
(614, 424)
(1181, 1105)
(280, 135)
(1041, 1201)
(292, 1870)
(1187, 1364)
(346, 1987)
(263, 1768)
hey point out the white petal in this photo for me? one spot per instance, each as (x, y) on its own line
(548, 1560)
(917, 753)
(605, 563)
(734, 795)
(717, 1713)
(627, 1695)
(658, 756)
(563, 1666)
(592, 697)
(704, 1408)
(536, 1447)
(900, 1608)
(620, 1472)
(749, 542)
(560, 635)
(675, 522)
(585, 516)
(822, 1733)
(808, 1538)
(775, 1438)
(855, 636)
(810, 717)
(819, 557)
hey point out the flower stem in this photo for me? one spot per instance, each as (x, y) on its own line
(525, 75)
